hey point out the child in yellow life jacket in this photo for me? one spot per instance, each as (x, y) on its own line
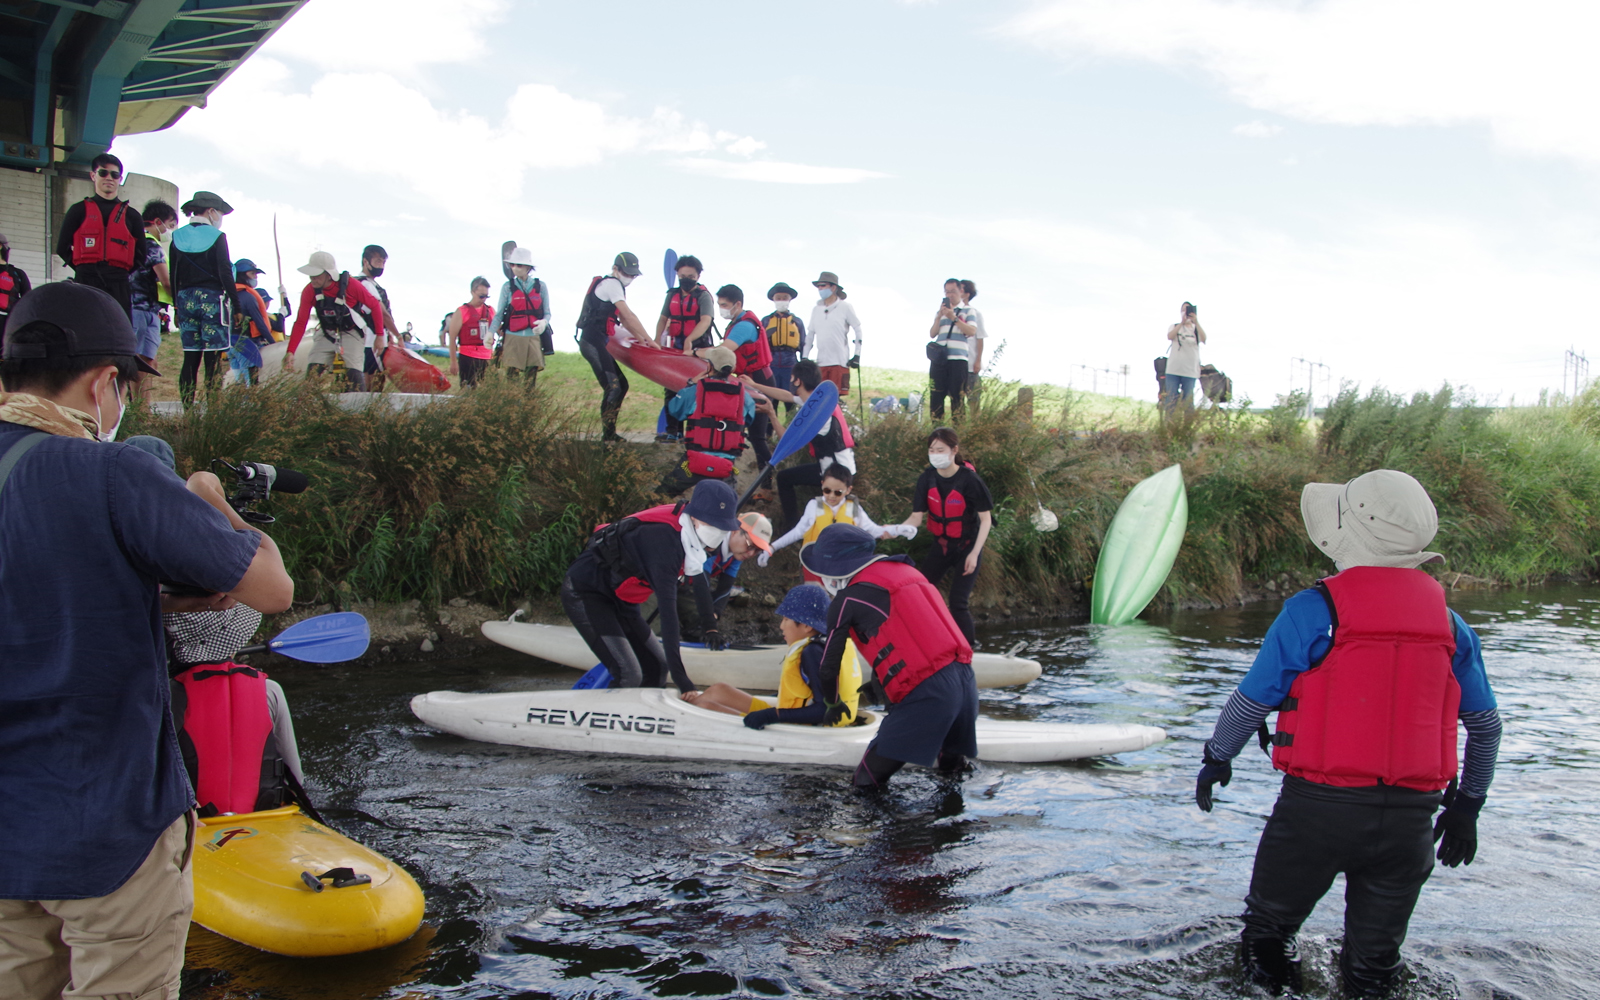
(835, 506)
(804, 611)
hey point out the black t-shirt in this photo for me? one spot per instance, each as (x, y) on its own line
(969, 484)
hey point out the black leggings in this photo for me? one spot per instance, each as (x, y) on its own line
(788, 479)
(949, 378)
(759, 428)
(191, 368)
(618, 636)
(936, 564)
(613, 384)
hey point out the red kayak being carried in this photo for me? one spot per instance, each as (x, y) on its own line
(411, 372)
(672, 369)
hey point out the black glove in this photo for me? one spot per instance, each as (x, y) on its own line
(1458, 825)
(761, 718)
(836, 710)
(854, 362)
(1212, 772)
(714, 640)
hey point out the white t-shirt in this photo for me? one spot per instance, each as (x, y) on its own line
(609, 289)
(830, 333)
(1183, 355)
(977, 321)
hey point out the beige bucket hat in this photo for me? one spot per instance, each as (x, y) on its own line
(1382, 518)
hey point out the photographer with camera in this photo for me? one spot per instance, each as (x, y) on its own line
(950, 348)
(95, 883)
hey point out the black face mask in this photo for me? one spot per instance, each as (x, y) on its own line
(688, 282)
(376, 272)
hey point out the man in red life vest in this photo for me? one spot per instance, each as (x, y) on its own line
(684, 325)
(345, 311)
(1369, 673)
(471, 329)
(102, 237)
(919, 658)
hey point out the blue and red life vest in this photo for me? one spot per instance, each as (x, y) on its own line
(225, 732)
(606, 541)
(918, 639)
(99, 240)
(755, 357)
(1381, 707)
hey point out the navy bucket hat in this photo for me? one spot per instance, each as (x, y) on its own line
(806, 604)
(714, 503)
(841, 550)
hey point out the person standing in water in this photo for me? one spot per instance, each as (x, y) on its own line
(202, 284)
(786, 334)
(1183, 357)
(1370, 673)
(471, 332)
(605, 308)
(956, 502)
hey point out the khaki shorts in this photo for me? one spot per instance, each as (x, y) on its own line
(354, 347)
(522, 352)
(127, 944)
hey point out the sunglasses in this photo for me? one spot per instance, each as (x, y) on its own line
(115, 175)
(832, 493)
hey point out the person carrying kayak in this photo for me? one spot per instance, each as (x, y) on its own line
(835, 506)
(471, 329)
(920, 660)
(956, 502)
(715, 409)
(833, 444)
(786, 334)
(374, 259)
(803, 695)
(524, 311)
(643, 554)
(604, 309)
(1370, 673)
(684, 326)
(345, 312)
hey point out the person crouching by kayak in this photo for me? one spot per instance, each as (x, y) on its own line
(833, 444)
(604, 309)
(803, 697)
(753, 537)
(919, 658)
(643, 554)
(1369, 673)
(471, 330)
(956, 502)
(835, 506)
(715, 409)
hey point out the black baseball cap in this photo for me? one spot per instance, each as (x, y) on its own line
(94, 324)
(627, 263)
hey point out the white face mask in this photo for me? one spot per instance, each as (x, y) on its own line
(626, 279)
(940, 459)
(834, 584)
(782, 305)
(726, 313)
(710, 537)
(122, 409)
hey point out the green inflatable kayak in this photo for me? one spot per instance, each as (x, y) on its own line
(1140, 547)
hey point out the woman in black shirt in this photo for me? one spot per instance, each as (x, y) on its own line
(953, 498)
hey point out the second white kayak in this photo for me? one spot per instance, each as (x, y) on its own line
(751, 669)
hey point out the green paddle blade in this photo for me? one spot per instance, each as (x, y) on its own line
(1140, 547)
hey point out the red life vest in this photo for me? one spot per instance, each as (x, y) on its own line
(1381, 707)
(756, 356)
(526, 309)
(607, 542)
(835, 439)
(8, 289)
(947, 516)
(225, 721)
(99, 240)
(468, 340)
(919, 638)
(717, 423)
(683, 314)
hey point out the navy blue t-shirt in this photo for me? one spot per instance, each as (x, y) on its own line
(90, 773)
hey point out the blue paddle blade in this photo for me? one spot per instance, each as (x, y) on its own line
(597, 677)
(669, 267)
(661, 421)
(814, 412)
(324, 639)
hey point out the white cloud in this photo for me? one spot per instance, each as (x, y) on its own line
(1256, 130)
(1528, 72)
(745, 146)
(391, 36)
(775, 172)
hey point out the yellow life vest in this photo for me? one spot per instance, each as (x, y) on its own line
(794, 692)
(846, 514)
(783, 331)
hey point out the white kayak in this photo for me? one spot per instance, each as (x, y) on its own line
(753, 669)
(655, 722)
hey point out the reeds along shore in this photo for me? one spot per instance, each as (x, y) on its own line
(492, 494)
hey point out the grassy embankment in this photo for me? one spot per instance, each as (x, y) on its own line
(490, 495)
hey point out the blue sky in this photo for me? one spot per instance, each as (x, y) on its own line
(1404, 191)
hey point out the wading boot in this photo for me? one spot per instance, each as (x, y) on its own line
(1272, 964)
(1365, 983)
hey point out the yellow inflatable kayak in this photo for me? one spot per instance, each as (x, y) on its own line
(280, 881)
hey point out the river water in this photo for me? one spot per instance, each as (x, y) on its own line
(558, 875)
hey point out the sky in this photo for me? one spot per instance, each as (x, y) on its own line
(1396, 193)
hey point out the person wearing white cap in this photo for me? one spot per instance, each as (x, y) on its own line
(1369, 673)
(524, 317)
(346, 312)
(715, 409)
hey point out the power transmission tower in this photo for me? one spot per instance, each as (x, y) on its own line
(1576, 366)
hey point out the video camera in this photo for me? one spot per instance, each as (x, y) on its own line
(255, 481)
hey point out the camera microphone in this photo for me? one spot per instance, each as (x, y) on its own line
(275, 480)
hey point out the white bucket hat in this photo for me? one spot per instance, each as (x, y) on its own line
(520, 255)
(321, 262)
(1382, 518)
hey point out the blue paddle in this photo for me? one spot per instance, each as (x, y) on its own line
(669, 265)
(814, 412)
(331, 638)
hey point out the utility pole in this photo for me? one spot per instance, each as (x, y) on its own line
(1577, 365)
(1311, 380)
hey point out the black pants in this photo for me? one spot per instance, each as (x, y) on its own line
(471, 369)
(613, 384)
(188, 374)
(949, 378)
(680, 480)
(758, 429)
(616, 633)
(936, 564)
(1380, 838)
(809, 476)
(114, 281)
(674, 425)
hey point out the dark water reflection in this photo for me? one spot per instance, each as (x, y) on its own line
(555, 875)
